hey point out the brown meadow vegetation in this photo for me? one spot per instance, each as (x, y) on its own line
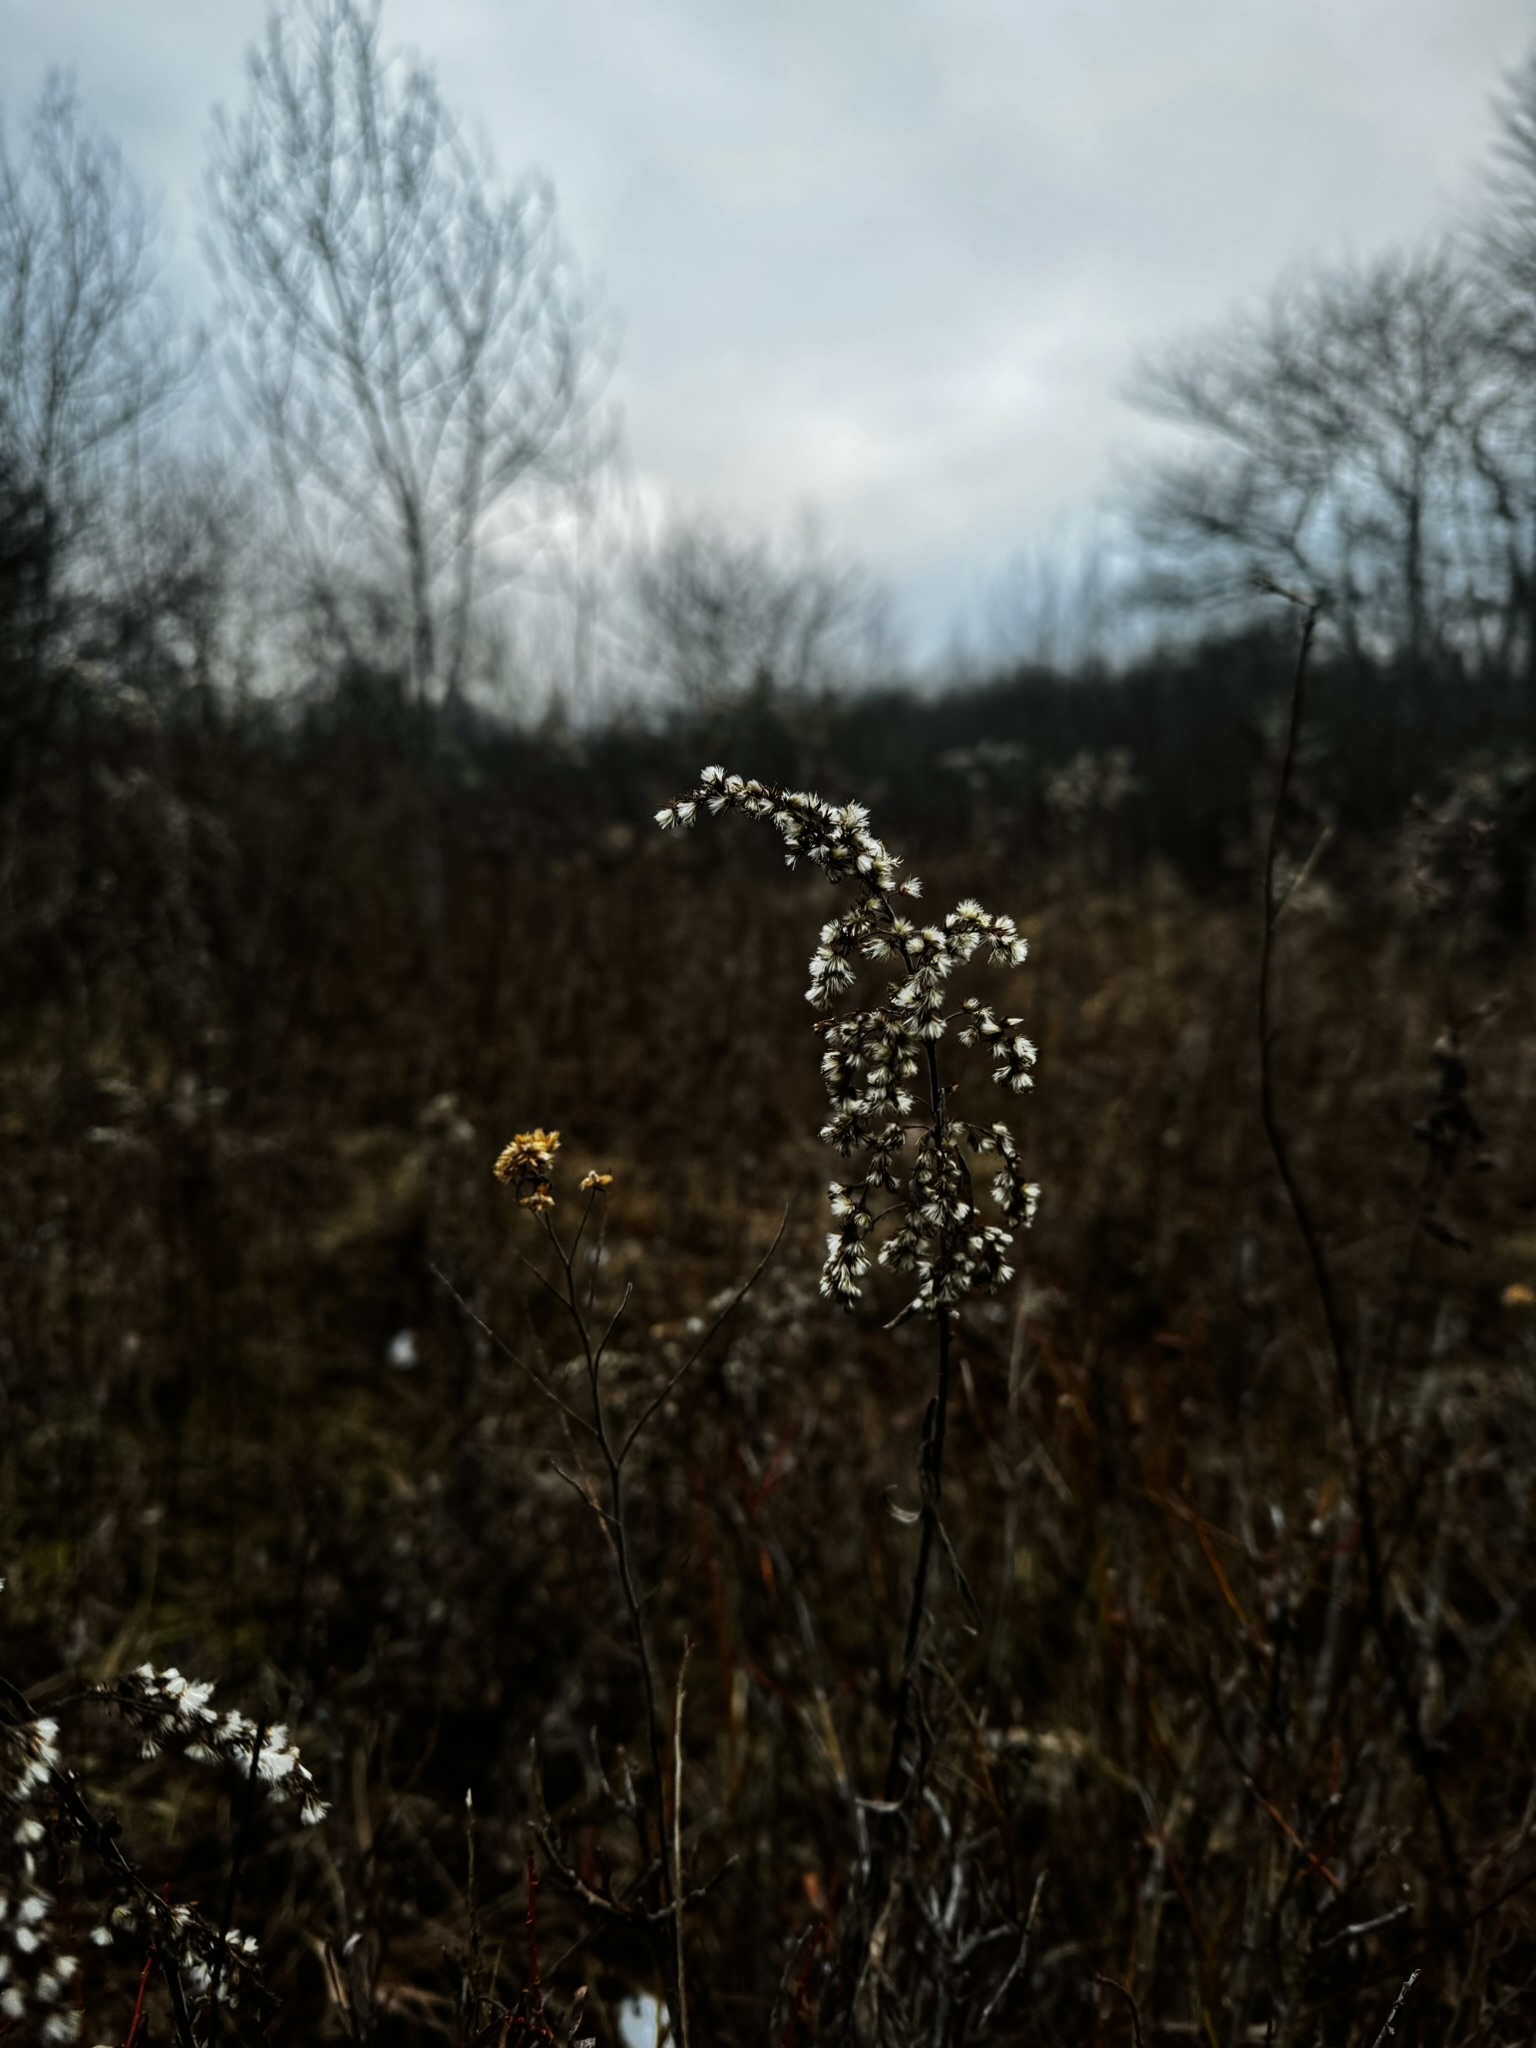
(290, 989)
(1136, 1650)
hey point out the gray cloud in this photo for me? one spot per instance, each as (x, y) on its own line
(893, 260)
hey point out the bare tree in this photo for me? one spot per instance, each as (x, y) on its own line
(409, 337)
(1053, 606)
(87, 348)
(1505, 448)
(722, 614)
(1509, 227)
(1339, 426)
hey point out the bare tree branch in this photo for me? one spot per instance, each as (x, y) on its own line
(409, 337)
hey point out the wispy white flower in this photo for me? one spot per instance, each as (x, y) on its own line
(171, 1708)
(873, 1057)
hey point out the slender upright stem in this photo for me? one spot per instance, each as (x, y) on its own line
(618, 1530)
(236, 1858)
(620, 1535)
(1422, 1755)
(932, 1469)
(856, 1955)
(933, 1472)
(932, 1490)
(1300, 1209)
(677, 1849)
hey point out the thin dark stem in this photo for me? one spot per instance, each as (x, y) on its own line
(1397, 2005)
(581, 1228)
(932, 1490)
(932, 1477)
(1018, 1380)
(581, 1488)
(615, 1522)
(1121, 1991)
(535, 1982)
(472, 1899)
(662, 1900)
(176, 1992)
(135, 2025)
(1423, 1757)
(596, 1357)
(571, 1414)
(703, 1344)
(1272, 1127)
(677, 1848)
(933, 1466)
(595, 1258)
(236, 1859)
(618, 1531)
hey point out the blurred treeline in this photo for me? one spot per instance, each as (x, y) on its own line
(384, 442)
(315, 886)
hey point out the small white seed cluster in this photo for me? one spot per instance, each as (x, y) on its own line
(872, 1057)
(171, 1708)
(191, 1943)
(38, 1972)
(39, 1968)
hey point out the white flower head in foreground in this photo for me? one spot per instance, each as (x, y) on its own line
(880, 1063)
(37, 1970)
(170, 1707)
(42, 1796)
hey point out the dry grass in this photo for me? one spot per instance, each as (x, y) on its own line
(235, 1151)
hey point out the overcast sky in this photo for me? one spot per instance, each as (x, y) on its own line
(889, 261)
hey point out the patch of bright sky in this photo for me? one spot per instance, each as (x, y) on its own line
(891, 262)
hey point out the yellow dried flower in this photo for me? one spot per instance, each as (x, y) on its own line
(1518, 1295)
(529, 1156)
(538, 1198)
(596, 1180)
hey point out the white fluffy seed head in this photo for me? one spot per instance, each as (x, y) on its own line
(870, 1053)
